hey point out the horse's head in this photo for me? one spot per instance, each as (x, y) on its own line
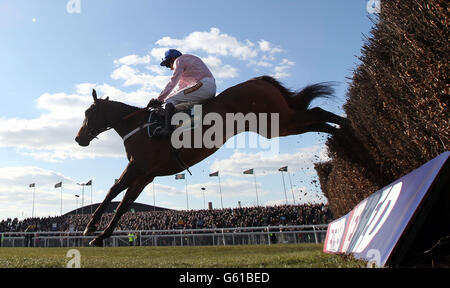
(94, 122)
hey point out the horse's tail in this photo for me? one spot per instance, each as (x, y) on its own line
(301, 100)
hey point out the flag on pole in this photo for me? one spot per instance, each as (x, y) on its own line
(32, 185)
(283, 169)
(179, 176)
(57, 185)
(89, 183)
(216, 174)
(250, 171)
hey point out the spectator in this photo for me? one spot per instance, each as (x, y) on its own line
(131, 239)
(172, 219)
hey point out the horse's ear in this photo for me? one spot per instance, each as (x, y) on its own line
(107, 98)
(94, 95)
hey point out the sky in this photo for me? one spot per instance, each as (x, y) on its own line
(53, 53)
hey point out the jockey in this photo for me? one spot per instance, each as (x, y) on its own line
(195, 83)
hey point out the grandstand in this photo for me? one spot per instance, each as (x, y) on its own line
(304, 223)
(147, 217)
(135, 207)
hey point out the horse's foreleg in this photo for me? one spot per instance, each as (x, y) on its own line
(130, 196)
(119, 186)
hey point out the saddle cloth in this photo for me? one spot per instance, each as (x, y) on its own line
(157, 121)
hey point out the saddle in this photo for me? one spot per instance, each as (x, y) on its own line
(157, 116)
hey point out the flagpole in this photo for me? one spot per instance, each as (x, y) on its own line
(76, 199)
(61, 198)
(292, 189)
(91, 197)
(220, 190)
(82, 199)
(187, 198)
(34, 192)
(154, 196)
(204, 198)
(256, 189)
(82, 196)
(285, 195)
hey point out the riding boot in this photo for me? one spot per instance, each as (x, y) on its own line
(167, 130)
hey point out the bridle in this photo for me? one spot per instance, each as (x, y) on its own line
(93, 132)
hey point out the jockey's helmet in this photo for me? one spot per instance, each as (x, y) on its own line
(169, 55)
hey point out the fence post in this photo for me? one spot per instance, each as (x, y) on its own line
(315, 234)
(181, 238)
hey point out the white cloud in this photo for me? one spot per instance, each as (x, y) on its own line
(281, 69)
(266, 46)
(50, 136)
(158, 53)
(263, 64)
(230, 188)
(132, 76)
(263, 164)
(220, 70)
(212, 42)
(16, 196)
(217, 44)
(157, 69)
(163, 190)
(133, 60)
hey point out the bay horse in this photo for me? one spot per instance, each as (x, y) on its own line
(152, 157)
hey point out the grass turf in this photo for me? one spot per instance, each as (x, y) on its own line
(254, 256)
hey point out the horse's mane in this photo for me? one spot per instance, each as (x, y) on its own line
(127, 107)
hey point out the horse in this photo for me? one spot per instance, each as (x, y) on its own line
(150, 157)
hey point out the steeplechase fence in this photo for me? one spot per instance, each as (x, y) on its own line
(179, 237)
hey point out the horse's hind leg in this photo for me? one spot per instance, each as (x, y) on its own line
(118, 187)
(319, 127)
(320, 115)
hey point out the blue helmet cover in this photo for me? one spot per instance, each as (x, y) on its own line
(170, 54)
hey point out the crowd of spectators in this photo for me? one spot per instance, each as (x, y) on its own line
(305, 214)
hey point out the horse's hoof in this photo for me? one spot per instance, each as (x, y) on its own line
(89, 231)
(96, 242)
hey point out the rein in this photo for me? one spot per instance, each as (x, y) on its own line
(128, 117)
(125, 138)
(139, 128)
